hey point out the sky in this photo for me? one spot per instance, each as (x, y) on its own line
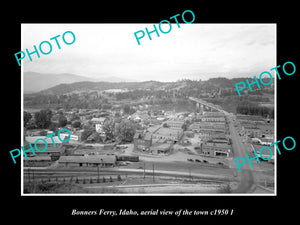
(193, 51)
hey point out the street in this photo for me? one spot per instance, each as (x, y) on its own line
(239, 149)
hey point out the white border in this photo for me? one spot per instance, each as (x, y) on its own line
(190, 194)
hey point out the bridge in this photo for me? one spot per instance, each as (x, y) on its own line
(207, 104)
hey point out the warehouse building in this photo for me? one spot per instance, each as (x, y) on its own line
(88, 161)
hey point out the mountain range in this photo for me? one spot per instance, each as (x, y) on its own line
(57, 84)
(35, 82)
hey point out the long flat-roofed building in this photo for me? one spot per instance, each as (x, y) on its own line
(197, 126)
(85, 161)
(176, 124)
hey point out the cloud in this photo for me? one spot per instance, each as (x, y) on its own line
(111, 50)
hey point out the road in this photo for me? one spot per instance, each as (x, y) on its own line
(92, 172)
(246, 183)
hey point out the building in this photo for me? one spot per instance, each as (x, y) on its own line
(98, 122)
(220, 139)
(249, 118)
(175, 124)
(197, 126)
(264, 154)
(141, 117)
(87, 161)
(263, 141)
(267, 130)
(76, 136)
(130, 158)
(142, 141)
(215, 149)
(213, 114)
(251, 131)
(168, 134)
(213, 119)
(209, 133)
(38, 161)
(162, 149)
(54, 149)
(41, 144)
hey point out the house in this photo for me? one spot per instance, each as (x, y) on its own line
(86, 161)
(98, 123)
(142, 141)
(76, 136)
(99, 120)
(141, 117)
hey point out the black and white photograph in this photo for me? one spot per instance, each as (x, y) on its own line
(162, 117)
(144, 112)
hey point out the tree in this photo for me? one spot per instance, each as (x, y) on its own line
(88, 130)
(62, 121)
(184, 126)
(43, 133)
(165, 125)
(126, 109)
(76, 124)
(43, 118)
(109, 128)
(53, 127)
(125, 131)
(27, 116)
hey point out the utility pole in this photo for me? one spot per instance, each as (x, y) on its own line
(28, 173)
(33, 181)
(98, 173)
(144, 170)
(153, 172)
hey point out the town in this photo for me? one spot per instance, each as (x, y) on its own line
(137, 146)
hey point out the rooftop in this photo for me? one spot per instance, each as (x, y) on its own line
(32, 139)
(88, 159)
(38, 158)
(249, 117)
(219, 145)
(213, 114)
(167, 131)
(144, 136)
(100, 119)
